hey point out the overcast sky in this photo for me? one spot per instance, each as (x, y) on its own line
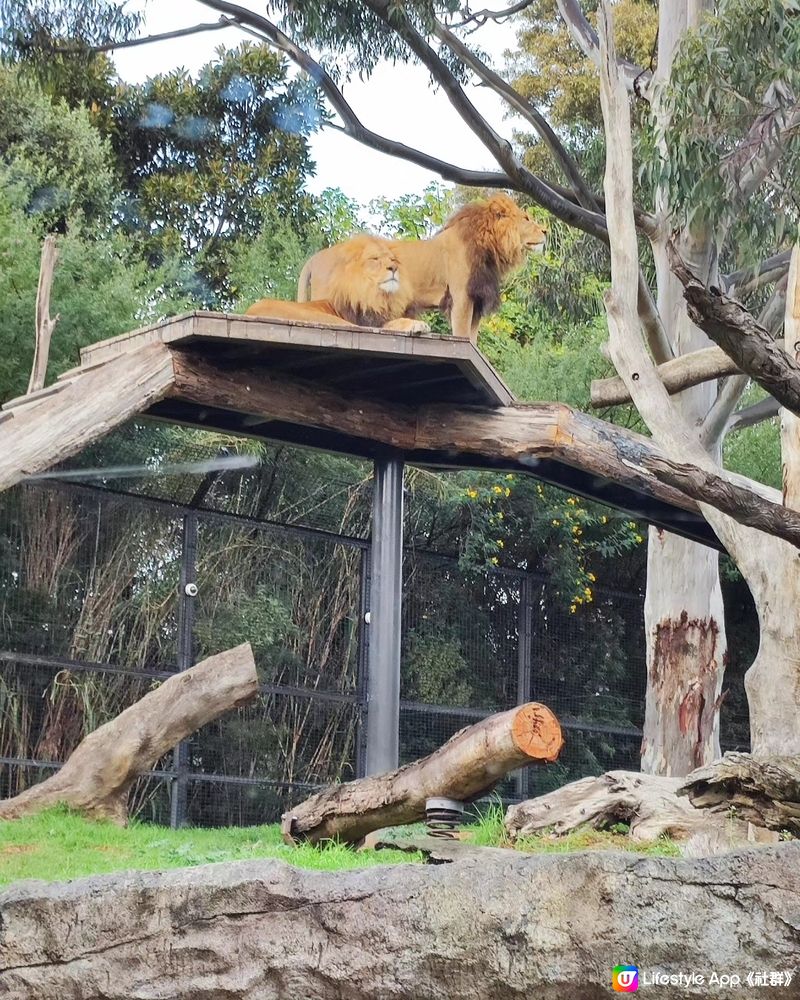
(397, 101)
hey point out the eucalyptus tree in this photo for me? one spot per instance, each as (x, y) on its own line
(720, 160)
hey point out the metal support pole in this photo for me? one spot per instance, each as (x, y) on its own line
(185, 654)
(362, 681)
(383, 694)
(524, 667)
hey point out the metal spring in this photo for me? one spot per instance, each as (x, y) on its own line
(443, 818)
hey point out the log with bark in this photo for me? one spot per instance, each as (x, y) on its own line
(752, 348)
(735, 801)
(503, 925)
(765, 792)
(649, 803)
(467, 766)
(98, 776)
(678, 374)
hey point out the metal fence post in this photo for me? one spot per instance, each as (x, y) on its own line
(524, 666)
(185, 656)
(386, 587)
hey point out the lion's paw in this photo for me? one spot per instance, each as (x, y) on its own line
(404, 325)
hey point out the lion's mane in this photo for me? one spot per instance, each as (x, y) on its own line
(491, 232)
(355, 294)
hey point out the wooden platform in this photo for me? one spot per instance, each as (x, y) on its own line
(436, 401)
(370, 363)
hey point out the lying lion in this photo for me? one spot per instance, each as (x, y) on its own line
(370, 292)
(459, 270)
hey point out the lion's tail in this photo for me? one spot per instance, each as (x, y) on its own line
(304, 283)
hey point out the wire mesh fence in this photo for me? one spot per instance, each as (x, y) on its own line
(94, 612)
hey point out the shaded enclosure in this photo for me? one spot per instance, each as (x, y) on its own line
(94, 611)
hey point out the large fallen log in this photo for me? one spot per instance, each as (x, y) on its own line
(648, 803)
(468, 765)
(98, 775)
(763, 791)
(506, 925)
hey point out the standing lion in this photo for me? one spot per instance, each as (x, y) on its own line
(459, 270)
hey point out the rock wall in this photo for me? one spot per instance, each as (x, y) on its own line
(503, 926)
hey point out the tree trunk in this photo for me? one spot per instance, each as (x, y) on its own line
(502, 925)
(773, 681)
(684, 624)
(98, 775)
(684, 618)
(468, 765)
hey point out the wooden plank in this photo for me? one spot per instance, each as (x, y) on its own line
(314, 338)
(61, 424)
(35, 397)
(113, 346)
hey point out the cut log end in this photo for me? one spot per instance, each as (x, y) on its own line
(536, 732)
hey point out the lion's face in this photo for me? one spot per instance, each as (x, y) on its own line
(371, 280)
(516, 233)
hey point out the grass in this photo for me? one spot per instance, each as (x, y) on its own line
(490, 832)
(58, 845)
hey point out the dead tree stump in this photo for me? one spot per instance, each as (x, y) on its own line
(469, 764)
(98, 775)
(763, 791)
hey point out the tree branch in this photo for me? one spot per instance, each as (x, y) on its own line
(129, 43)
(522, 179)
(268, 32)
(742, 338)
(716, 421)
(678, 374)
(743, 506)
(766, 409)
(746, 167)
(523, 107)
(480, 17)
(635, 78)
(651, 321)
(748, 279)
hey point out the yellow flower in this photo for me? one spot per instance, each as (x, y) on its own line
(631, 524)
(472, 493)
(604, 519)
(500, 543)
(498, 489)
(572, 609)
(587, 591)
(540, 491)
(510, 478)
(508, 492)
(571, 500)
(493, 560)
(499, 515)
(591, 576)
(556, 522)
(638, 539)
